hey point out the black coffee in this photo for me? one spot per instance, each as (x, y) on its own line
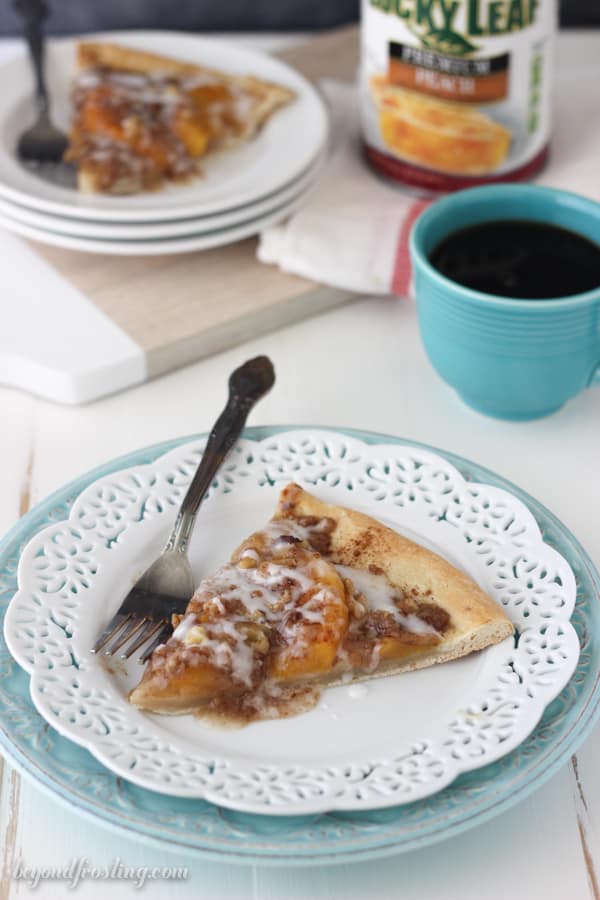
(524, 259)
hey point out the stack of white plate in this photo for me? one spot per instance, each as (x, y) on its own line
(240, 192)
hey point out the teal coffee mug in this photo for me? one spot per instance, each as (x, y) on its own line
(507, 357)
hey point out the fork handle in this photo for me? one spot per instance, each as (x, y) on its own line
(246, 386)
(33, 13)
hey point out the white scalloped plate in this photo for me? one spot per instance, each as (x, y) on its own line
(399, 740)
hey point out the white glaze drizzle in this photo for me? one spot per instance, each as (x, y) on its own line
(184, 626)
(259, 589)
(380, 594)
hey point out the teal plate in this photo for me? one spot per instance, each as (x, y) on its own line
(73, 775)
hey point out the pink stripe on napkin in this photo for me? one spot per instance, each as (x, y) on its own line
(402, 272)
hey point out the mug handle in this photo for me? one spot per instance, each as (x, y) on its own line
(595, 377)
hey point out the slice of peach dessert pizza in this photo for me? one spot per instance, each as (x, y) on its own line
(321, 596)
(141, 121)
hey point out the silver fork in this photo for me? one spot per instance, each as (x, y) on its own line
(168, 584)
(42, 142)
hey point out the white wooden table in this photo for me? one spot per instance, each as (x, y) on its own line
(360, 366)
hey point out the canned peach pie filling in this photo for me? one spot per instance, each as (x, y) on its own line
(455, 93)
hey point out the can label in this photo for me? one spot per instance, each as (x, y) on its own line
(458, 87)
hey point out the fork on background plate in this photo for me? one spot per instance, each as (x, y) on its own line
(42, 142)
(168, 584)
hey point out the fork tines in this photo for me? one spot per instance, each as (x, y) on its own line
(144, 617)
